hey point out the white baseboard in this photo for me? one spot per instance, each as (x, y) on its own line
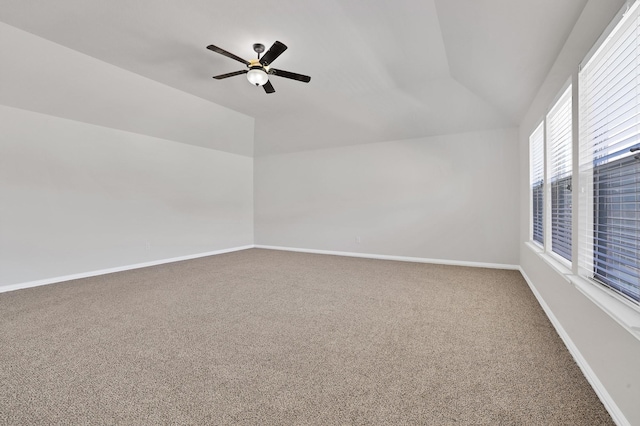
(398, 258)
(608, 402)
(37, 283)
(54, 280)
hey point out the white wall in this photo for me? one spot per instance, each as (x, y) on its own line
(451, 197)
(101, 168)
(609, 351)
(78, 198)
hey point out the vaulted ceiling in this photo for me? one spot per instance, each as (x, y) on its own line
(381, 70)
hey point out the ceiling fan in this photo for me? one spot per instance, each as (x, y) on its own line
(259, 70)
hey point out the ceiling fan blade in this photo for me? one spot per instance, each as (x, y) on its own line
(268, 87)
(274, 51)
(227, 54)
(291, 75)
(230, 74)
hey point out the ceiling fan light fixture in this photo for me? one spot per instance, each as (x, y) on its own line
(260, 69)
(257, 76)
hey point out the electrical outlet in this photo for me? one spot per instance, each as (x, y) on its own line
(358, 240)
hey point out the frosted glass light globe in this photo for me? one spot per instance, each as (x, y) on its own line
(257, 77)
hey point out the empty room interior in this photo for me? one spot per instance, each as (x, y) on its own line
(407, 212)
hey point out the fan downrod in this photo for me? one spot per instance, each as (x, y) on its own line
(258, 48)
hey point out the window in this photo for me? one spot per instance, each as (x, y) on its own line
(559, 142)
(609, 163)
(536, 145)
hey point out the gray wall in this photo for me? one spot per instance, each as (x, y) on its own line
(610, 351)
(101, 168)
(451, 197)
(78, 198)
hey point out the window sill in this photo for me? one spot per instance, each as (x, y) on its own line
(557, 266)
(625, 314)
(621, 311)
(534, 247)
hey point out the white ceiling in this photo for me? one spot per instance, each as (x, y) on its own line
(381, 70)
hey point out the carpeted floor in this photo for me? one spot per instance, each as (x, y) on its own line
(269, 337)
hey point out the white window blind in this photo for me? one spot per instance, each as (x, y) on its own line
(609, 173)
(536, 155)
(559, 168)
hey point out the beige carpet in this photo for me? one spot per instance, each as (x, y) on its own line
(265, 337)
